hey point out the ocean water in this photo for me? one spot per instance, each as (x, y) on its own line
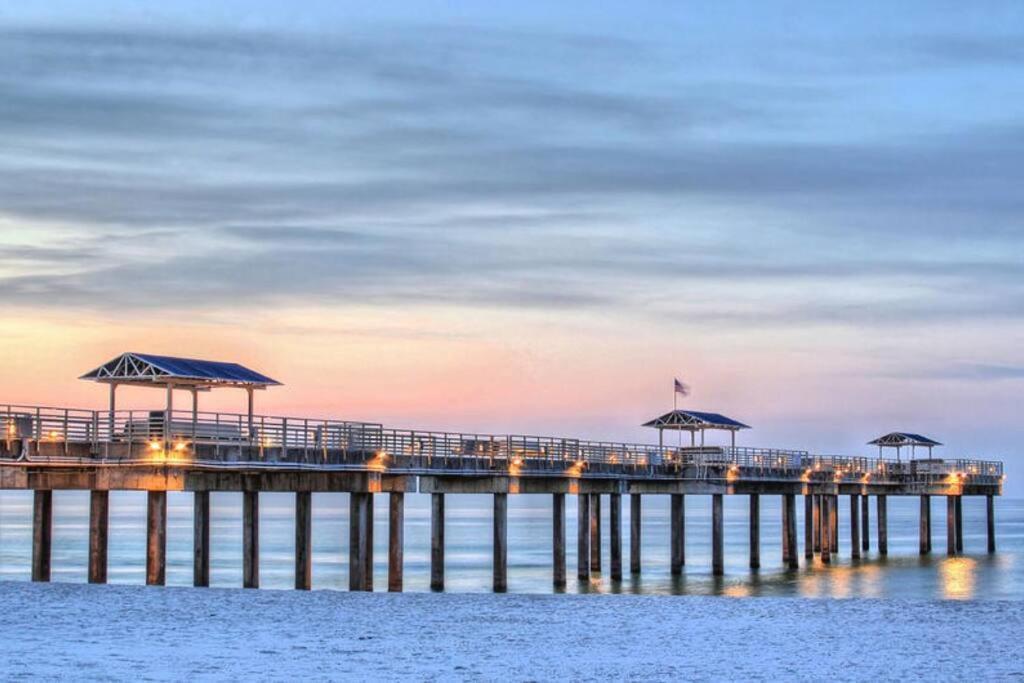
(975, 575)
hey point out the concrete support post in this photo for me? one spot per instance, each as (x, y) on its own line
(500, 542)
(883, 525)
(784, 528)
(250, 539)
(437, 541)
(808, 527)
(855, 526)
(925, 526)
(201, 539)
(42, 534)
(677, 541)
(366, 541)
(834, 516)
(156, 537)
(635, 531)
(303, 540)
(791, 542)
(950, 526)
(755, 531)
(959, 524)
(396, 541)
(816, 522)
(99, 513)
(595, 532)
(825, 523)
(558, 538)
(717, 536)
(990, 514)
(865, 523)
(615, 532)
(583, 537)
(356, 563)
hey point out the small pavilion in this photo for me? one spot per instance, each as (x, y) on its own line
(170, 373)
(900, 440)
(695, 421)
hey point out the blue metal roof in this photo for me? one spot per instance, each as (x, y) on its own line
(903, 439)
(146, 367)
(695, 419)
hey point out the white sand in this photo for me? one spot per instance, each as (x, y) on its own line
(99, 632)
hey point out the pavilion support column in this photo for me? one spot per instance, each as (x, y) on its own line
(678, 533)
(500, 542)
(925, 527)
(755, 531)
(950, 525)
(990, 514)
(595, 532)
(816, 521)
(396, 541)
(717, 535)
(855, 526)
(615, 534)
(201, 539)
(583, 537)
(824, 506)
(303, 540)
(42, 534)
(558, 539)
(808, 527)
(99, 507)
(437, 541)
(791, 542)
(865, 523)
(959, 524)
(635, 532)
(250, 539)
(156, 537)
(883, 524)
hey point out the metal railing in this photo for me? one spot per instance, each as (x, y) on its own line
(215, 437)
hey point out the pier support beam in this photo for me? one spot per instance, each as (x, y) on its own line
(437, 541)
(950, 526)
(808, 527)
(865, 523)
(156, 537)
(717, 536)
(990, 514)
(99, 514)
(755, 531)
(959, 524)
(303, 540)
(595, 532)
(834, 539)
(791, 535)
(396, 541)
(635, 531)
(42, 534)
(201, 539)
(824, 525)
(558, 538)
(250, 539)
(500, 542)
(677, 547)
(615, 531)
(360, 542)
(583, 537)
(925, 527)
(883, 525)
(816, 521)
(855, 526)
(784, 516)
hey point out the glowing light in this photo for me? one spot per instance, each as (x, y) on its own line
(53, 436)
(11, 429)
(180, 446)
(517, 461)
(155, 445)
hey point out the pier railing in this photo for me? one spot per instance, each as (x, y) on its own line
(216, 437)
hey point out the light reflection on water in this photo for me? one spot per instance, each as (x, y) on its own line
(903, 573)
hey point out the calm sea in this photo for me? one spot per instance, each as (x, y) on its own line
(974, 575)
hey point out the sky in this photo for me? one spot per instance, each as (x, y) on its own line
(528, 217)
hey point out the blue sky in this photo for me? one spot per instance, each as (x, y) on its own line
(810, 211)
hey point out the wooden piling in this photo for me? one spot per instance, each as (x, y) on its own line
(500, 542)
(990, 515)
(717, 536)
(437, 541)
(583, 537)
(250, 539)
(834, 540)
(303, 540)
(156, 538)
(595, 532)
(356, 563)
(201, 539)
(825, 524)
(808, 527)
(855, 526)
(755, 531)
(615, 533)
(959, 524)
(865, 523)
(925, 526)
(558, 539)
(816, 521)
(635, 530)
(677, 551)
(396, 541)
(99, 507)
(791, 542)
(784, 528)
(950, 525)
(366, 541)
(42, 534)
(883, 524)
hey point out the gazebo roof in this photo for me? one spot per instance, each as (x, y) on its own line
(149, 369)
(693, 420)
(899, 439)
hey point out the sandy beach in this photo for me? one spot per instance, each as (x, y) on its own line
(101, 632)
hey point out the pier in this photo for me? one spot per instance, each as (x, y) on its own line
(44, 449)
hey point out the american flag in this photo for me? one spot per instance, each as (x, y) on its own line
(682, 389)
